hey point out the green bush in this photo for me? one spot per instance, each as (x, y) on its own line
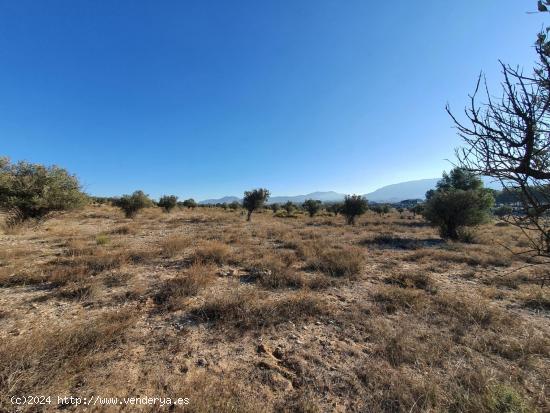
(168, 202)
(254, 199)
(190, 203)
(503, 211)
(335, 208)
(312, 206)
(289, 207)
(353, 206)
(30, 191)
(131, 204)
(380, 209)
(234, 205)
(459, 201)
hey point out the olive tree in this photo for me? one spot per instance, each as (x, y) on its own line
(353, 206)
(32, 191)
(190, 203)
(168, 202)
(312, 206)
(132, 204)
(459, 201)
(254, 199)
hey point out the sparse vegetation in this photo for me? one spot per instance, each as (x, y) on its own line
(386, 306)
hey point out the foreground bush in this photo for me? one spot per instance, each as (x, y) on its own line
(459, 201)
(33, 191)
(132, 204)
(168, 202)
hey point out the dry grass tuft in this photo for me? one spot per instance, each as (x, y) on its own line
(175, 245)
(212, 252)
(346, 262)
(43, 360)
(171, 293)
(247, 308)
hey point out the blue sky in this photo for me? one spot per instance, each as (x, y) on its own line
(210, 98)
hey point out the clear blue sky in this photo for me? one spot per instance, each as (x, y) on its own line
(210, 98)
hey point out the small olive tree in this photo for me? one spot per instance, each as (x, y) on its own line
(459, 201)
(32, 191)
(132, 204)
(190, 203)
(254, 199)
(353, 206)
(312, 206)
(289, 207)
(168, 202)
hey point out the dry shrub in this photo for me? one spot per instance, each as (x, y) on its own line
(212, 252)
(512, 281)
(81, 267)
(78, 247)
(392, 241)
(338, 262)
(466, 311)
(50, 359)
(392, 299)
(171, 293)
(470, 257)
(209, 392)
(78, 292)
(126, 229)
(175, 245)
(275, 272)
(412, 279)
(247, 308)
(12, 278)
(535, 298)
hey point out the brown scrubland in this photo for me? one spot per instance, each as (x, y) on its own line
(274, 315)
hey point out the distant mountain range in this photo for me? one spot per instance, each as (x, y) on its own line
(390, 193)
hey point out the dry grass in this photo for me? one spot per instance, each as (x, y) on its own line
(172, 292)
(175, 245)
(338, 262)
(49, 359)
(247, 308)
(212, 252)
(276, 315)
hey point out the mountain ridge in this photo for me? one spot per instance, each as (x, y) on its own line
(415, 189)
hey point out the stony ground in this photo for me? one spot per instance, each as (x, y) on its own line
(279, 314)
